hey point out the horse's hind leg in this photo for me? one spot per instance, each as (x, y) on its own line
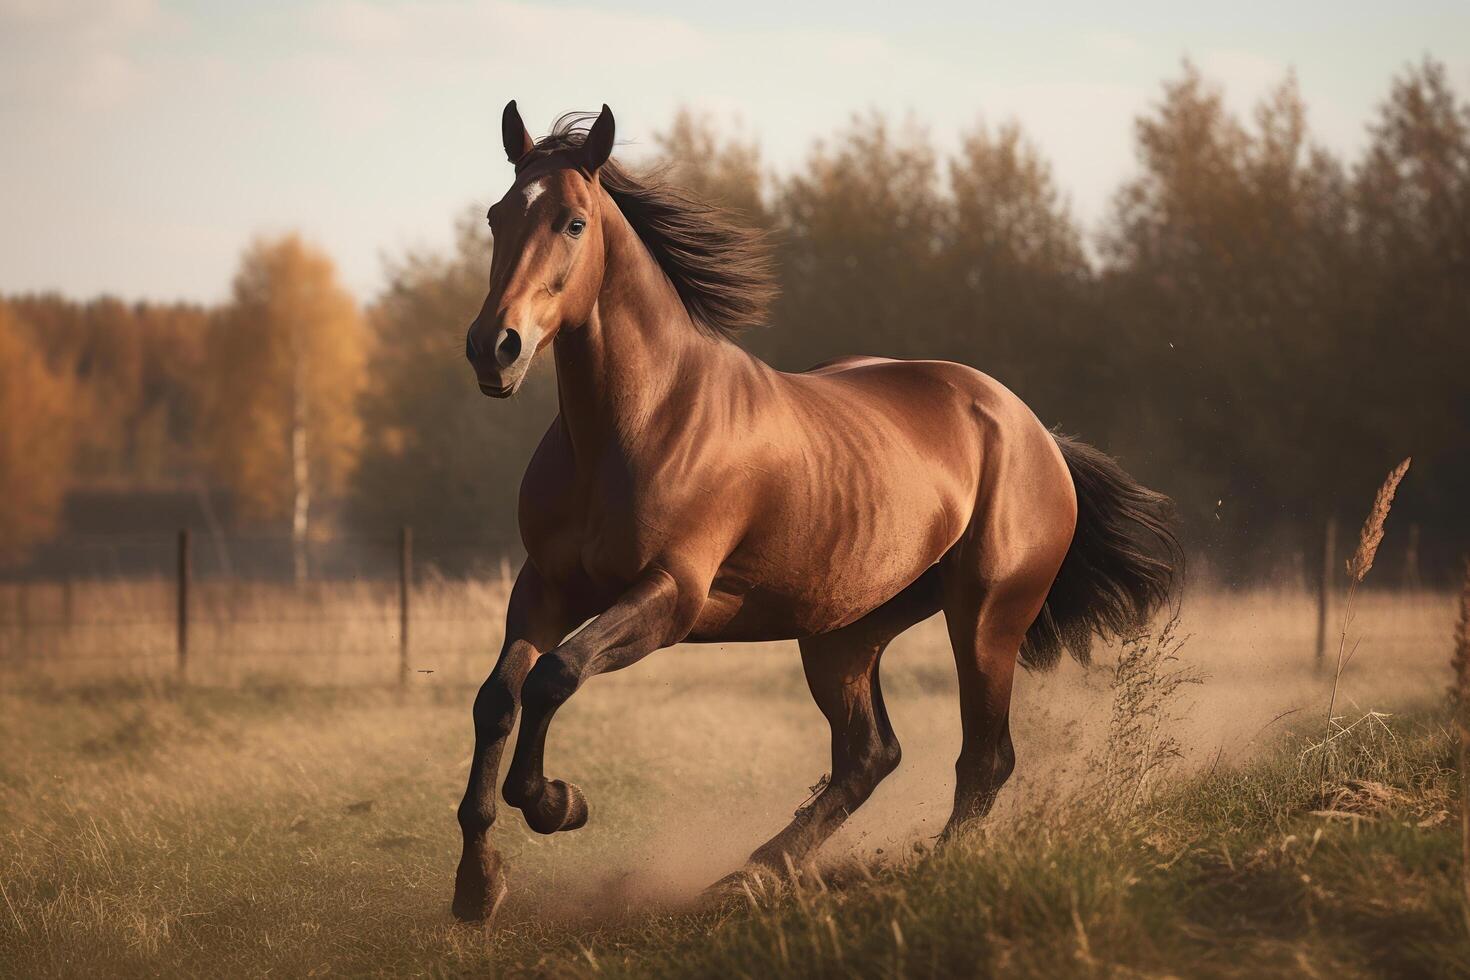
(842, 672)
(987, 621)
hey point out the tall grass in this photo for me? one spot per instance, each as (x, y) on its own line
(1142, 745)
(1369, 538)
(1460, 699)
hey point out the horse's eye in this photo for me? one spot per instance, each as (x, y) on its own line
(575, 227)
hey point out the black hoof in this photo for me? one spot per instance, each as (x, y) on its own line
(479, 888)
(561, 806)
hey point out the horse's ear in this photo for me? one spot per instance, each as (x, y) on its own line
(513, 133)
(599, 143)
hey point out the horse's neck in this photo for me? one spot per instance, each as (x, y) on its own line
(615, 371)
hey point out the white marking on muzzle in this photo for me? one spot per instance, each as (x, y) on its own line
(534, 190)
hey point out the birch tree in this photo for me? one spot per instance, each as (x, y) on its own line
(286, 366)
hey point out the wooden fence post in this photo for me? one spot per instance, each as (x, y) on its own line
(405, 583)
(182, 638)
(1412, 582)
(1324, 585)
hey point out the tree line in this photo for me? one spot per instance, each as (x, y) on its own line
(1259, 327)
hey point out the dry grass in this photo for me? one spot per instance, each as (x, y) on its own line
(1460, 700)
(1369, 538)
(292, 826)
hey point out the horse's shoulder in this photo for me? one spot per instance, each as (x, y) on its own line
(547, 481)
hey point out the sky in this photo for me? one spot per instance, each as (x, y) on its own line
(144, 143)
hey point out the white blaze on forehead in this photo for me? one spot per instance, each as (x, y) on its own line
(534, 190)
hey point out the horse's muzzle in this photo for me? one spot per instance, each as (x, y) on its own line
(501, 369)
(499, 392)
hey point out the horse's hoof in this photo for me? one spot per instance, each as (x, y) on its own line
(479, 888)
(748, 884)
(561, 806)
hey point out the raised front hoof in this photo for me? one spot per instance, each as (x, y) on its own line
(561, 806)
(479, 888)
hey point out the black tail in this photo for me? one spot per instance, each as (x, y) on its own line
(1121, 567)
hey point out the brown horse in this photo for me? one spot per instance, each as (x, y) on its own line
(687, 491)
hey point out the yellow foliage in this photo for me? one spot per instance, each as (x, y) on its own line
(37, 407)
(292, 340)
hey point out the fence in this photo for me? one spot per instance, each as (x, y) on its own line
(227, 611)
(151, 608)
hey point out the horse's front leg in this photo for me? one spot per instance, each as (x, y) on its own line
(648, 616)
(535, 621)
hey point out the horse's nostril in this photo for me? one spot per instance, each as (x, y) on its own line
(508, 348)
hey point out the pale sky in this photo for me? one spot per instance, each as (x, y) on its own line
(143, 143)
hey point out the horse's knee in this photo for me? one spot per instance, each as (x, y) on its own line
(495, 710)
(551, 682)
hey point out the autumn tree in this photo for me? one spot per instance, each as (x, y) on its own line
(1411, 195)
(1227, 293)
(858, 238)
(137, 367)
(1015, 300)
(285, 367)
(725, 170)
(37, 427)
(437, 454)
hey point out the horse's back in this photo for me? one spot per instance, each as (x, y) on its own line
(885, 466)
(1024, 504)
(921, 394)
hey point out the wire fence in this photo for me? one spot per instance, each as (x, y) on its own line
(387, 610)
(155, 607)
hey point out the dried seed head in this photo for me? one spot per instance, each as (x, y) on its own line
(1372, 534)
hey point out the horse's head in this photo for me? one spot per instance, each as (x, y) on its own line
(548, 261)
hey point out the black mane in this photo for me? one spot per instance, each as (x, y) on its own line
(721, 269)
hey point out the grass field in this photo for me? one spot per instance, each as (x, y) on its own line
(275, 822)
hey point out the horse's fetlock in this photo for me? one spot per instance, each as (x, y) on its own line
(517, 794)
(476, 818)
(879, 758)
(889, 756)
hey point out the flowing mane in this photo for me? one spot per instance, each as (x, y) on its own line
(721, 269)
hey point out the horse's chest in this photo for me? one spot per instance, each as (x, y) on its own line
(618, 541)
(601, 547)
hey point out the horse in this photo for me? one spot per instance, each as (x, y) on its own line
(688, 492)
